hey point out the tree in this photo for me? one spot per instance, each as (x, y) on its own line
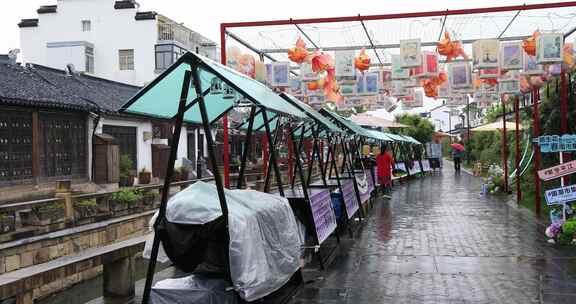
(421, 129)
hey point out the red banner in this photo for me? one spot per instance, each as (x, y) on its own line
(557, 171)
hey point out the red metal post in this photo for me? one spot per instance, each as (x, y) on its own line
(226, 146)
(504, 146)
(564, 115)
(517, 158)
(536, 133)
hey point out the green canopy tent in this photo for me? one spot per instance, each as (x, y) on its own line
(196, 89)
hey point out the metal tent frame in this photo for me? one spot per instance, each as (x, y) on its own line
(518, 10)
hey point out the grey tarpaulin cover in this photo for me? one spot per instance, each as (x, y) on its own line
(264, 237)
(192, 289)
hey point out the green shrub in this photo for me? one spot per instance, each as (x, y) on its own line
(126, 196)
(126, 165)
(48, 207)
(87, 202)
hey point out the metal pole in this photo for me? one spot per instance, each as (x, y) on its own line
(504, 146)
(535, 134)
(166, 187)
(517, 158)
(272, 152)
(564, 115)
(226, 145)
(248, 144)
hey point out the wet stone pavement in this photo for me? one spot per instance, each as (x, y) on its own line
(439, 241)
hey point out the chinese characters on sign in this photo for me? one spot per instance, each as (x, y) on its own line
(322, 213)
(556, 143)
(349, 197)
(561, 195)
(557, 171)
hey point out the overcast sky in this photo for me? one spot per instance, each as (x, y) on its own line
(205, 16)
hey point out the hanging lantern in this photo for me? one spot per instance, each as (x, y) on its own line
(569, 55)
(312, 86)
(362, 62)
(299, 52)
(228, 92)
(450, 49)
(216, 86)
(321, 62)
(529, 44)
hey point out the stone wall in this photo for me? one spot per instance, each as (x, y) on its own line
(71, 241)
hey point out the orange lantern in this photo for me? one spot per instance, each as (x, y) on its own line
(312, 86)
(321, 62)
(362, 62)
(299, 52)
(569, 54)
(529, 44)
(450, 49)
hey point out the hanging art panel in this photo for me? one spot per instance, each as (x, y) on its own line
(460, 75)
(549, 48)
(306, 73)
(509, 86)
(531, 66)
(485, 53)
(488, 73)
(410, 55)
(429, 66)
(296, 87)
(398, 89)
(344, 64)
(281, 74)
(371, 83)
(398, 72)
(348, 89)
(511, 56)
(456, 101)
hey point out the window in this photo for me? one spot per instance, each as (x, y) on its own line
(86, 25)
(166, 55)
(89, 68)
(126, 60)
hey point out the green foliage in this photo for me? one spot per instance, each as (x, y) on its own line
(126, 196)
(421, 129)
(149, 194)
(48, 207)
(126, 165)
(568, 232)
(87, 202)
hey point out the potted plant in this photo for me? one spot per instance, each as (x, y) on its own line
(44, 215)
(149, 197)
(86, 208)
(7, 222)
(144, 177)
(184, 174)
(126, 176)
(177, 174)
(124, 199)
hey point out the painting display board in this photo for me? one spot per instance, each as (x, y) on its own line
(322, 213)
(349, 196)
(365, 185)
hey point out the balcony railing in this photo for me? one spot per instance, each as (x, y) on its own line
(176, 32)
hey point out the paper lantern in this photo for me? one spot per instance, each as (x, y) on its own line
(569, 55)
(450, 49)
(529, 44)
(321, 62)
(299, 52)
(362, 62)
(313, 86)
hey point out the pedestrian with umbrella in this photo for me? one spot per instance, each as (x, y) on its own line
(457, 155)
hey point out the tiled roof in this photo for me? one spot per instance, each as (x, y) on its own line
(146, 15)
(28, 23)
(46, 87)
(124, 4)
(47, 9)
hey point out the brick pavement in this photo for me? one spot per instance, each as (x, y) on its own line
(438, 241)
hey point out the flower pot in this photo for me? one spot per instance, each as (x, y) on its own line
(7, 223)
(144, 177)
(126, 181)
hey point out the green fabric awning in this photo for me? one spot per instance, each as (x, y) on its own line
(396, 137)
(350, 125)
(379, 135)
(411, 139)
(313, 114)
(160, 98)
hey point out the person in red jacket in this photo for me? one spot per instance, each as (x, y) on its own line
(384, 164)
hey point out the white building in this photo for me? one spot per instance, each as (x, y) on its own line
(114, 40)
(109, 39)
